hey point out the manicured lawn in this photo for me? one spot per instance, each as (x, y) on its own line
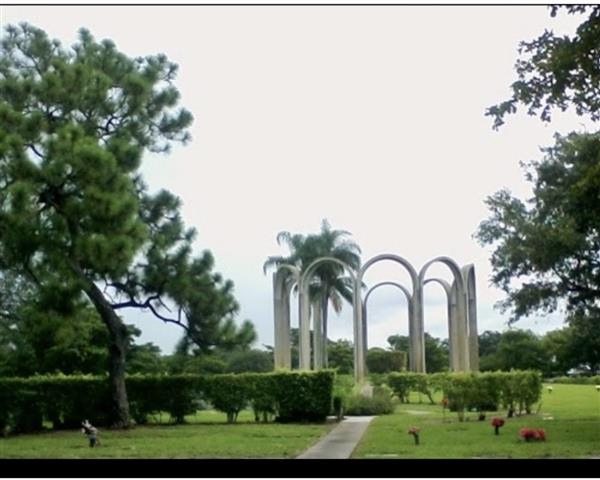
(570, 415)
(205, 436)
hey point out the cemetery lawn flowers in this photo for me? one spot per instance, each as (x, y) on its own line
(537, 434)
(414, 431)
(497, 422)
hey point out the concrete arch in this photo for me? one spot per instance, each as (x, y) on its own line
(462, 314)
(451, 296)
(417, 353)
(395, 258)
(281, 314)
(468, 273)
(459, 328)
(304, 312)
(402, 288)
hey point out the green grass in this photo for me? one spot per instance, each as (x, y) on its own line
(206, 435)
(570, 416)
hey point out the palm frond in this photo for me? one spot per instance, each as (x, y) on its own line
(344, 286)
(273, 262)
(336, 301)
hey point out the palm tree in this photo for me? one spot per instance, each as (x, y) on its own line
(329, 285)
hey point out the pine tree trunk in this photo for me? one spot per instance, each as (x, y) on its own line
(117, 349)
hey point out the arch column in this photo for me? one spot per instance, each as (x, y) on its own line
(417, 358)
(304, 309)
(458, 292)
(282, 287)
(452, 300)
(468, 272)
(304, 327)
(317, 336)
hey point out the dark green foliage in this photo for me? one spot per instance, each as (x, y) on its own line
(263, 398)
(229, 394)
(404, 383)
(342, 390)
(145, 359)
(436, 351)
(67, 400)
(341, 356)
(63, 400)
(555, 353)
(378, 404)
(546, 248)
(520, 350)
(520, 390)
(577, 380)
(249, 361)
(517, 391)
(75, 213)
(557, 72)
(304, 396)
(380, 360)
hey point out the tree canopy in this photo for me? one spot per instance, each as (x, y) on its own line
(546, 248)
(74, 209)
(557, 72)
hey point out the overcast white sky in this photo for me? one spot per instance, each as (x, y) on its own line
(371, 117)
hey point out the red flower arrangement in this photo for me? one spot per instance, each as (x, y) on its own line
(538, 434)
(414, 431)
(497, 422)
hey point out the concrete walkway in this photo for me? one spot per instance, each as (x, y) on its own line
(341, 441)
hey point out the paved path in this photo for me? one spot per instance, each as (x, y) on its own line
(341, 441)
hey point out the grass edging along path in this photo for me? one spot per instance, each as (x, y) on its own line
(570, 415)
(206, 435)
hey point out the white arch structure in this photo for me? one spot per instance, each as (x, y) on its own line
(462, 314)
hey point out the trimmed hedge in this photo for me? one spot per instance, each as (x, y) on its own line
(67, 400)
(380, 403)
(576, 380)
(404, 383)
(516, 391)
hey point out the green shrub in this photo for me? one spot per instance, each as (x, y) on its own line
(378, 404)
(402, 384)
(342, 391)
(517, 391)
(262, 394)
(67, 400)
(229, 393)
(577, 380)
(304, 396)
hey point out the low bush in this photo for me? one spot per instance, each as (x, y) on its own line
(378, 404)
(67, 400)
(303, 396)
(517, 391)
(576, 380)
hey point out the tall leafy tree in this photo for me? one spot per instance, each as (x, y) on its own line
(521, 350)
(74, 126)
(330, 285)
(582, 347)
(341, 356)
(380, 360)
(557, 72)
(546, 249)
(437, 352)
